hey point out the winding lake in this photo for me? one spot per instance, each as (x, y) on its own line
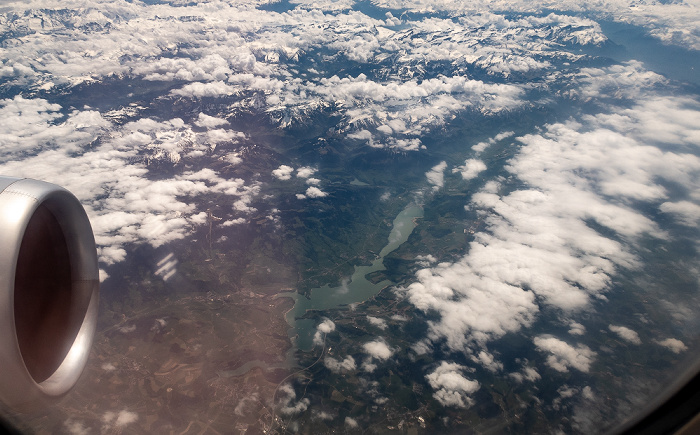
(354, 289)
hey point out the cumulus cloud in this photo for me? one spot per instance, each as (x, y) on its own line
(436, 176)
(119, 419)
(481, 146)
(672, 23)
(305, 172)
(376, 321)
(232, 222)
(471, 169)
(284, 172)
(562, 355)
(346, 365)
(245, 405)
(212, 57)
(452, 388)
(127, 329)
(325, 327)
(687, 213)
(368, 365)
(351, 423)
(426, 260)
(576, 328)
(34, 125)
(673, 344)
(414, 108)
(526, 374)
(288, 404)
(626, 334)
(136, 208)
(76, 427)
(626, 81)
(315, 192)
(539, 247)
(488, 361)
(207, 121)
(199, 90)
(378, 349)
(325, 5)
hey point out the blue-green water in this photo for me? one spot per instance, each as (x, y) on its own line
(353, 290)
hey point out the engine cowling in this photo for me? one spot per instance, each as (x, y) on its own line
(49, 291)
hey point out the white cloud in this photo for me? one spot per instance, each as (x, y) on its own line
(351, 423)
(232, 158)
(540, 247)
(34, 125)
(686, 212)
(137, 209)
(232, 222)
(119, 419)
(315, 192)
(436, 176)
(219, 135)
(673, 344)
(500, 136)
(246, 404)
(562, 355)
(481, 146)
(626, 334)
(530, 374)
(207, 121)
(127, 329)
(376, 321)
(125, 417)
(305, 172)
(378, 349)
(76, 427)
(322, 415)
(426, 260)
(103, 275)
(407, 109)
(288, 406)
(488, 361)
(527, 373)
(325, 5)
(325, 327)
(576, 328)
(672, 23)
(346, 365)
(199, 90)
(452, 388)
(284, 172)
(368, 365)
(205, 47)
(471, 169)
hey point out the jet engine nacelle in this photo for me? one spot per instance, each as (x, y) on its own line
(49, 289)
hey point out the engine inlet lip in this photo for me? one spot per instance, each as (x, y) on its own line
(19, 200)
